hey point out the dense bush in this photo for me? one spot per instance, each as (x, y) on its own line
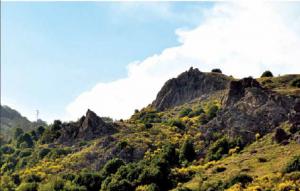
(148, 117)
(112, 166)
(58, 152)
(243, 179)
(216, 70)
(296, 83)
(212, 112)
(55, 184)
(185, 112)
(280, 135)
(267, 74)
(40, 131)
(25, 153)
(26, 139)
(32, 178)
(187, 151)
(49, 136)
(176, 123)
(224, 146)
(293, 165)
(43, 152)
(218, 149)
(28, 187)
(18, 132)
(92, 181)
(196, 112)
(7, 149)
(56, 125)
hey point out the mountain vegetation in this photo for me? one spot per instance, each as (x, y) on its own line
(203, 132)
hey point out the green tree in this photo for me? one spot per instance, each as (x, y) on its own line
(267, 74)
(18, 132)
(187, 151)
(216, 70)
(26, 138)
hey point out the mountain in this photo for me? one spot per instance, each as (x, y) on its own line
(204, 131)
(188, 86)
(11, 119)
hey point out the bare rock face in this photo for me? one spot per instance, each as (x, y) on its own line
(237, 89)
(294, 117)
(188, 86)
(249, 109)
(87, 127)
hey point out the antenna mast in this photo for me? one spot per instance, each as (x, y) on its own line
(37, 114)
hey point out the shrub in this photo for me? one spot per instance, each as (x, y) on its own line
(287, 186)
(196, 112)
(32, 178)
(49, 136)
(185, 112)
(216, 70)
(267, 74)
(148, 117)
(148, 125)
(43, 152)
(18, 132)
(40, 131)
(218, 149)
(296, 83)
(28, 187)
(243, 179)
(261, 159)
(203, 119)
(91, 181)
(55, 184)
(219, 169)
(280, 135)
(149, 187)
(212, 112)
(187, 151)
(122, 185)
(26, 138)
(112, 166)
(56, 125)
(177, 123)
(7, 149)
(293, 165)
(55, 153)
(25, 153)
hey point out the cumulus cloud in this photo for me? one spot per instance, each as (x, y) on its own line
(241, 39)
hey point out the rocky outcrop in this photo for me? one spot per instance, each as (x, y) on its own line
(237, 89)
(249, 109)
(188, 86)
(295, 118)
(87, 127)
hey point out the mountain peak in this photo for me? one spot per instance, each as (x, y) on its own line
(187, 86)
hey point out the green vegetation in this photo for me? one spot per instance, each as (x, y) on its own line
(216, 70)
(267, 74)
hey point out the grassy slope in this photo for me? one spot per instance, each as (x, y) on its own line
(267, 175)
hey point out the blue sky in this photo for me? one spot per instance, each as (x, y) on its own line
(51, 52)
(65, 57)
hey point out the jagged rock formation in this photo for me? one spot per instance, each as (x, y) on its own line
(87, 127)
(249, 109)
(188, 86)
(295, 118)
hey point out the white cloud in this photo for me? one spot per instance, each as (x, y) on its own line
(241, 39)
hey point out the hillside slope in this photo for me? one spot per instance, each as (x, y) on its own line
(204, 131)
